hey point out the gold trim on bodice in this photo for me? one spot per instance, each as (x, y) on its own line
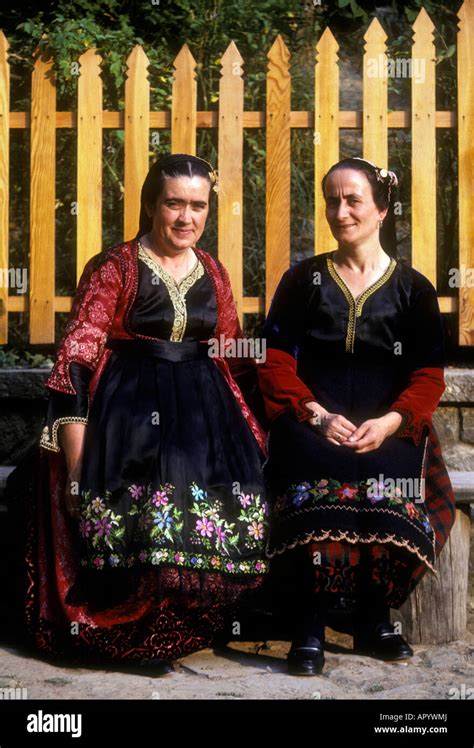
(355, 305)
(177, 290)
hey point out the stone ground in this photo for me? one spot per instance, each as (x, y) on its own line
(257, 670)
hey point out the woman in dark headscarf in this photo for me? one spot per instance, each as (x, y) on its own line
(361, 503)
(147, 520)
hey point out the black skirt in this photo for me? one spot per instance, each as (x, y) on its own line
(171, 471)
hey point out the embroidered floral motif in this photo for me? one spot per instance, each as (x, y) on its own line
(253, 513)
(158, 516)
(100, 526)
(306, 495)
(160, 524)
(346, 492)
(212, 531)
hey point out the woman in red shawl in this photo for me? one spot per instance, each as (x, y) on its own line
(146, 520)
(361, 501)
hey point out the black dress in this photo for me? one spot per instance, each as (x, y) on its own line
(171, 474)
(350, 515)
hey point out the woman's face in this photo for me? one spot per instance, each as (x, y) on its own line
(180, 212)
(350, 208)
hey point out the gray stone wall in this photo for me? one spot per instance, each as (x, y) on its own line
(23, 399)
(454, 419)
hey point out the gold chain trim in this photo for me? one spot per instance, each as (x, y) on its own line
(339, 535)
(52, 443)
(350, 300)
(355, 307)
(346, 508)
(177, 290)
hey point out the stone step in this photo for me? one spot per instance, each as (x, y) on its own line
(463, 485)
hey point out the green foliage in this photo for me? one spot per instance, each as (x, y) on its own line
(12, 358)
(353, 9)
(114, 27)
(8, 358)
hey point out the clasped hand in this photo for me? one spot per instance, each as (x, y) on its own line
(340, 431)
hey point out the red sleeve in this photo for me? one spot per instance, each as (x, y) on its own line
(418, 401)
(425, 385)
(281, 388)
(92, 314)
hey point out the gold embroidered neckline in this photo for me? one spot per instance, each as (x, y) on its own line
(144, 255)
(356, 305)
(177, 290)
(387, 272)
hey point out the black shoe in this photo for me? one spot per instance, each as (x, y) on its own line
(383, 643)
(305, 660)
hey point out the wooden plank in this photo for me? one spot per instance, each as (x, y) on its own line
(183, 104)
(448, 304)
(89, 159)
(326, 135)
(252, 120)
(278, 169)
(42, 201)
(435, 612)
(423, 151)
(465, 77)
(375, 96)
(137, 137)
(4, 183)
(254, 305)
(230, 150)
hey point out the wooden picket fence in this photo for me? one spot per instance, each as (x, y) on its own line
(231, 120)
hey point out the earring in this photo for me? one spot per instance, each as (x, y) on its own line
(380, 224)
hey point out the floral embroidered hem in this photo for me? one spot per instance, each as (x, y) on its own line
(158, 531)
(367, 511)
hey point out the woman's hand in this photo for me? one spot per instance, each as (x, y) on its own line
(372, 433)
(333, 426)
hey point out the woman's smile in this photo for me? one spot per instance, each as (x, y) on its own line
(185, 200)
